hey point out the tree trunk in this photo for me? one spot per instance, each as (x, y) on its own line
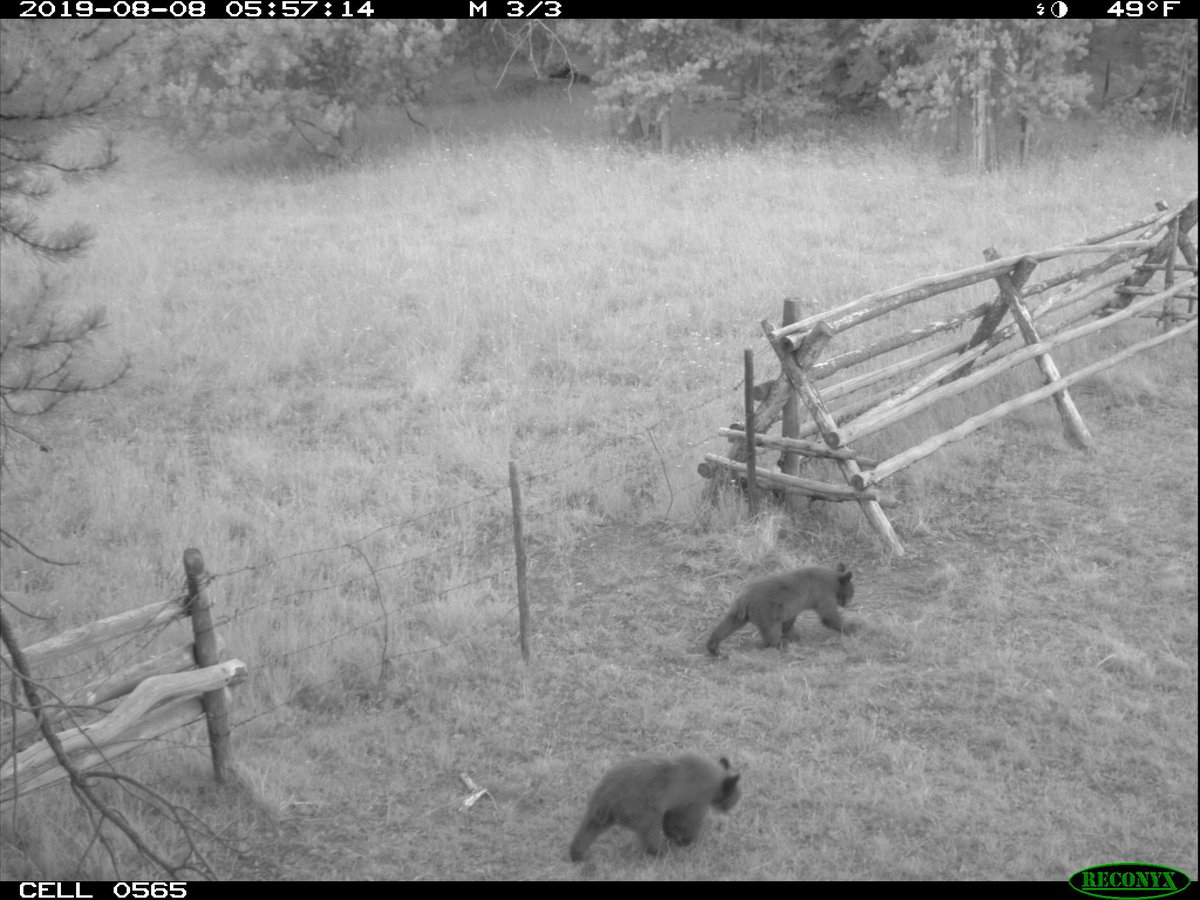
(981, 109)
(664, 127)
(626, 125)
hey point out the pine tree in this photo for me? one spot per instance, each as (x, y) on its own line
(57, 79)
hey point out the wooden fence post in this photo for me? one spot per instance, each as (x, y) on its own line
(828, 426)
(514, 485)
(1167, 319)
(1074, 429)
(1183, 221)
(751, 449)
(791, 409)
(1189, 257)
(990, 320)
(216, 710)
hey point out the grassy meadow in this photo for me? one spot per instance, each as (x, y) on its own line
(331, 371)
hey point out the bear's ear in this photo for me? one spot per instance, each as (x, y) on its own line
(724, 763)
(731, 781)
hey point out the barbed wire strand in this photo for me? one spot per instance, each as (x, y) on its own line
(543, 475)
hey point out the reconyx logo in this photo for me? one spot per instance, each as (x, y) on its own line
(1142, 881)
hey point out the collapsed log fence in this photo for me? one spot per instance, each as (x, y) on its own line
(156, 695)
(1104, 293)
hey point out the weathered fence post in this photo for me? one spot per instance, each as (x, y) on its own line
(751, 449)
(791, 413)
(1074, 429)
(216, 710)
(514, 485)
(1167, 319)
(989, 321)
(794, 365)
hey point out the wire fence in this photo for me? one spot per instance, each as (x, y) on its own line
(296, 630)
(338, 592)
(420, 579)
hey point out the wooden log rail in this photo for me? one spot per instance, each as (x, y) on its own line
(865, 480)
(893, 395)
(1113, 287)
(804, 448)
(160, 694)
(86, 638)
(868, 424)
(148, 712)
(780, 393)
(872, 306)
(1164, 252)
(890, 343)
(89, 637)
(88, 699)
(770, 410)
(793, 366)
(889, 396)
(808, 486)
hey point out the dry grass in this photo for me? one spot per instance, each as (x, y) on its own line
(321, 355)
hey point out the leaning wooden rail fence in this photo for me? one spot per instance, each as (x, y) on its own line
(160, 694)
(915, 382)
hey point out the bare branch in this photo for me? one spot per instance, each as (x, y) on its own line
(9, 539)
